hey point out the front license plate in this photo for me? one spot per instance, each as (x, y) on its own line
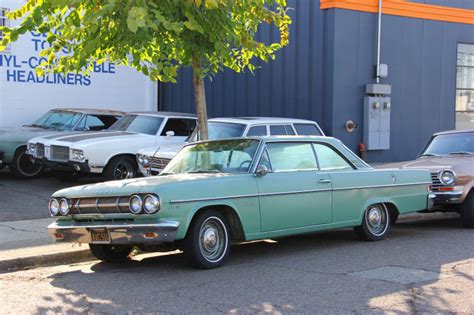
(100, 236)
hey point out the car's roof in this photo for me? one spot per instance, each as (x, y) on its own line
(260, 120)
(167, 114)
(91, 111)
(279, 139)
(449, 132)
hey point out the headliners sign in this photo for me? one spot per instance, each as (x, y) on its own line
(24, 95)
(22, 70)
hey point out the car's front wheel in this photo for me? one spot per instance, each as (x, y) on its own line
(375, 223)
(120, 167)
(111, 253)
(207, 243)
(24, 166)
(467, 211)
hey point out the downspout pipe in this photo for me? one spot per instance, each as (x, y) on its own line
(379, 36)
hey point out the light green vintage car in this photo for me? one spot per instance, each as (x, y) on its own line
(220, 192)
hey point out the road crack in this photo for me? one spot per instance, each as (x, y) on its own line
(20, 230)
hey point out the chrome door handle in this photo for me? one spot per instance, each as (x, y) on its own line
(325, 181)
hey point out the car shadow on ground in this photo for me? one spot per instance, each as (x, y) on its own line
(293, 274)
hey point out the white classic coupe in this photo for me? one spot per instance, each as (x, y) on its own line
(112, 152)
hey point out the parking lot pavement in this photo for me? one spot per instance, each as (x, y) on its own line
(425, 266)
(28, 199)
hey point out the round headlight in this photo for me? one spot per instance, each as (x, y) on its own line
(145, 160)
(135, 204)
(54, 206)
(447, 177)
(63, 206)
(151, 204)
(140, 159)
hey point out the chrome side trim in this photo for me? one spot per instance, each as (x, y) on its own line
(382, 186)
(293, 192)
(252, 195)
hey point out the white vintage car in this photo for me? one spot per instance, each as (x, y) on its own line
(112, 152)
(153, 159)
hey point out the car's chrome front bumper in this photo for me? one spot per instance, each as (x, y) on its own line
(431, 201)
(448, 197)
(119, 233)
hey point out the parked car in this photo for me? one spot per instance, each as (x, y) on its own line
(112, 153)
(217, 192)
(57, 121)
(449, 156)
(153, 160)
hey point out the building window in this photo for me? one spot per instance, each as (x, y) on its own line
(465, 87)
(4, 21)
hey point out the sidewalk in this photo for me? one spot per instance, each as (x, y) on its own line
(27, 243)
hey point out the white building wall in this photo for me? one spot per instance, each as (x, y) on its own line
(24, 96)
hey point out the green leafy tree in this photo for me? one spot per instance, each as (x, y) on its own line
(157, 37)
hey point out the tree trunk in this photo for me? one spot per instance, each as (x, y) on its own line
(200, 95)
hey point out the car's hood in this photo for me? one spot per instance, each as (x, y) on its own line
(433, 164)
(131, 186)
(23, 134)
(85, 138)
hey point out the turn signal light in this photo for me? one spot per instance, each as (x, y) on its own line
(58, 236)
(446, 188)
(150, 235)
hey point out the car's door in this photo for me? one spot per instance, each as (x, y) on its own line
(347, 201)
(294, 194)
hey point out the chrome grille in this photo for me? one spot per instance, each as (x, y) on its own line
(39, 150)
(59, 153)
(436, 183)
(101, 205)
(158, 163)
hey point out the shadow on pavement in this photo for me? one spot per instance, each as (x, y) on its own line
(303, 274)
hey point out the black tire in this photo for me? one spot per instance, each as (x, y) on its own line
(207, 243)
(111, 253)
(467, 211)
(24, 166)
(120, 167)
(393, 218)
(66, 176)
(376, 223)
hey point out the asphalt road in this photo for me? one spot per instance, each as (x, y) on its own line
(425, 266)
(28, 199)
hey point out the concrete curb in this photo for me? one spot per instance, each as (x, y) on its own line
(44, 260)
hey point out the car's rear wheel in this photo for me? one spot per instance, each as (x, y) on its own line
(375, 223)
(120, 167)
(207, 243)
(467, 211)
(25, 166)
(111, 253)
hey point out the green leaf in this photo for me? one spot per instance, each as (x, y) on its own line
(132, 25)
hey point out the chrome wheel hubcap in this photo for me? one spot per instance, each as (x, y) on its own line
(213, 239)
(377, 219)
(122, 171)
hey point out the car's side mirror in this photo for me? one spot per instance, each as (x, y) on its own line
(170, 133)
(261, 171)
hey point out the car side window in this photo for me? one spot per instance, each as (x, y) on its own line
(180, 127)
(281, 130)
(329, 159)
(291, 156)
(307, 130)
(257, 131)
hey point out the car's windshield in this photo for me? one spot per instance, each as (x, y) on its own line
(138, 123)
(221, 130)
(226, 156)
(58, 120)
(453, 144)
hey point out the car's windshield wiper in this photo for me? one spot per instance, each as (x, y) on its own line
(166, 174)
(37, 126)
(430, 154)
(461, 152)
(204, 171)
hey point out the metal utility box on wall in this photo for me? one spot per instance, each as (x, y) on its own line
(377, 122)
